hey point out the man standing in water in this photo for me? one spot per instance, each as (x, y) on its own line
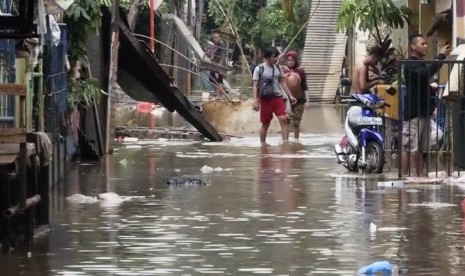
(418, 106)
(275, 103)
(215, 51)
(296, 81)
(220, 51)
(360, 81)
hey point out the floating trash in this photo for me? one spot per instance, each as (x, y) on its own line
(433, 205)
(396, 184)
(81, 199)
(384, 267)
(123, 162)
(185, 181)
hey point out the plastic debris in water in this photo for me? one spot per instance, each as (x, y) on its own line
(185, 181)
(384, 267)
(81, 199)
(391, 184)
(110, 197)
(373, 227)
(123, 162)
(206, 169)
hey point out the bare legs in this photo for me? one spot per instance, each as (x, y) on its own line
(284, 129)
(296, 132)
(417, 158)
(263, 132)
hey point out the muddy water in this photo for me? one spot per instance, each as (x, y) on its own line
(284, 210)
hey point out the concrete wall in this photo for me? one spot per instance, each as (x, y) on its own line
(240, 119)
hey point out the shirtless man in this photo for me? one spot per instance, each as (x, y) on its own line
(360, 81)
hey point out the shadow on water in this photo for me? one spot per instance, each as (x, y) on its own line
(283, 209)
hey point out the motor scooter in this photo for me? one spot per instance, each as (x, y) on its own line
(361, 148)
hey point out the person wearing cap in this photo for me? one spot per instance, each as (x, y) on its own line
(296, 81)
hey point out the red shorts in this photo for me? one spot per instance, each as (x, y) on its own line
(269, 106)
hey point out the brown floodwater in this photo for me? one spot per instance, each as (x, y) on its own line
(281, 210)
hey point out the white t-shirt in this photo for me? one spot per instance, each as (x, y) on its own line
(268, 73)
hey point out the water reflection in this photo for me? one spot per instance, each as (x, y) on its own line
(277, 191)
(285, 209)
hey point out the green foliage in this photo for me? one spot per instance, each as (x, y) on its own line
(83, 19)
(274, 24)
(371, 15)
(83, 92)
(260, 22)
(378, 17)
(272, 19)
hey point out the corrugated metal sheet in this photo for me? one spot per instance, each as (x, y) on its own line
(324, 51)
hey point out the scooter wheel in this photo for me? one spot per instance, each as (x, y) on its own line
(374, 157)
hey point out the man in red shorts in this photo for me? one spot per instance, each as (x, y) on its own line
(268, 105)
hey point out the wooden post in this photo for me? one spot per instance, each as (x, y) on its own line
(112, 73)
(189, 14)
(40, 97)
(22, 175)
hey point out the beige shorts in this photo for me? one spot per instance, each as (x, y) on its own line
(415, 135)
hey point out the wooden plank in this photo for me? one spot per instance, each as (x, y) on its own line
(13, 149)
(12, 135)
(13, 89)
(7, 159)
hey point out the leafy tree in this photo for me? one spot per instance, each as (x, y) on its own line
(378, 17)
(260, 22)
(371, 15)
(83, 19)
(280, 21)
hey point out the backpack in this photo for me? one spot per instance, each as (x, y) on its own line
(266, 86)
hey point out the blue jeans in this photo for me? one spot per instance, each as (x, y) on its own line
(205, 80)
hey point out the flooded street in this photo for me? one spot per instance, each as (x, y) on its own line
(284, 210)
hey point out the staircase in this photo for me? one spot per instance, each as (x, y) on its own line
(324, 51)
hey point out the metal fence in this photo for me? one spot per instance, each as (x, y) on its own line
(56, 92)
(7, 75)
(429, 138)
